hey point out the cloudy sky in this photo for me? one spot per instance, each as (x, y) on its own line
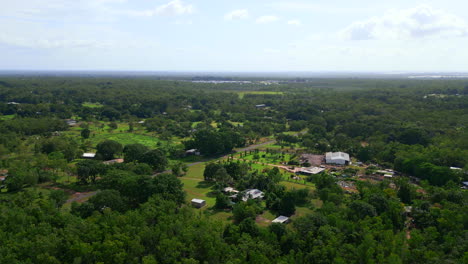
(234, 35)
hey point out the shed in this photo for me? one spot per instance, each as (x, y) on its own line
(339, 158)
(89, 155)
(192, 152)
(311, 170)
(198, 203)
(281, 219)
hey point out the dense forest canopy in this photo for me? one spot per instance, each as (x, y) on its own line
(155, 144)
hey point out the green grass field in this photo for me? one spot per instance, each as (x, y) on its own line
(125, 138)
(6, 117)
(268, 158)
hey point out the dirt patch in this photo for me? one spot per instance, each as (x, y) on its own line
(261, 220)
(80, 197)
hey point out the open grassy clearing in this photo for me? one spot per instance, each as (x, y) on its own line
(101, 131)
(6, 117)
(268, 158)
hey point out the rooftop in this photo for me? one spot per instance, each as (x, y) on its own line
(280, 219)
(195, 200)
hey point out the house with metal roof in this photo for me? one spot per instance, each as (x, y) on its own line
(252, 194)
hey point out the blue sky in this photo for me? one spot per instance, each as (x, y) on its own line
(234, 35)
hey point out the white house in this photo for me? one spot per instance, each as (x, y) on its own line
(339, 158)
(198, 203)
(252, 194)
(281, 219)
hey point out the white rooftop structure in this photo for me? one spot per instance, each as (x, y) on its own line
(252, 194)
(340, 158)
(230, 190)
(311, 170)
(89, 155)
(455, 168)
(281, 219)
(198, 203)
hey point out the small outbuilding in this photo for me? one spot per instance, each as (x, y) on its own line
(339, 158)
(89, 155)
(198, 203)
(311, 170)
(192, 152)
(281, 219)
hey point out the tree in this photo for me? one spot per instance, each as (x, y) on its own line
(89, 169)
(156, 159)
(85, 133)
(59, 197)
(287, 204)
(108, 149)
(108, 199)
(179, 168)
(134, 152)
(168, 187)
(222, 201)
(210, 171)
(361, 209)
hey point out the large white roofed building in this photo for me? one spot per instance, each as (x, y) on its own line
(340, 158)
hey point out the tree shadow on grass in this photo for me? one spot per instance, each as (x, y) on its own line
(204, 184)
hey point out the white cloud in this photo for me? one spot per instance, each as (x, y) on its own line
(419, 22)
(266, 19)
(237, 14)
(175, 7)
(294, 22)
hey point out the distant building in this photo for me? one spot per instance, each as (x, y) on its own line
(230, 190)
(260, 106)
(281, 219)
(465, 185)
(198, 203)
(310, 170)
(339, 158)
(71, 122)
(455, 168)
(114, 161)
(89, 155)
(13, 103)
(192, 152)
(252, 194)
